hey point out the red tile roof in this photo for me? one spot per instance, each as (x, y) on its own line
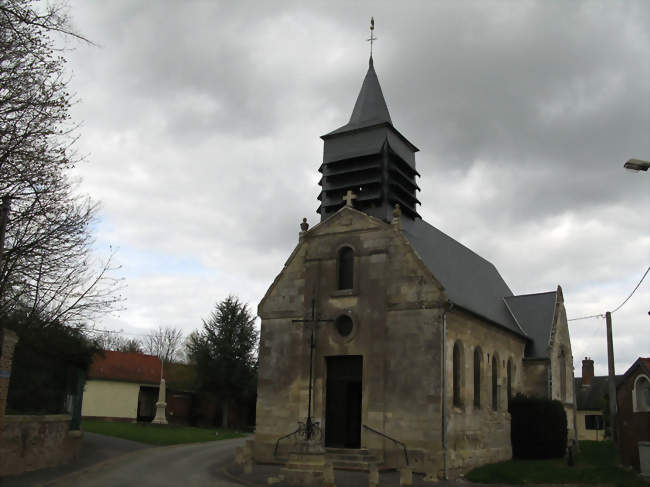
(126, 366)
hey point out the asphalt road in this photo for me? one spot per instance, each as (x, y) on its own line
(110, 462)
(195, 464)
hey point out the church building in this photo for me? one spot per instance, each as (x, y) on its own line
(418, 342)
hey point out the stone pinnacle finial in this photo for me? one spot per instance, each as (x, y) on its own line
(304, 226)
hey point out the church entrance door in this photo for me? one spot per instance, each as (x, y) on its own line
(343, 401)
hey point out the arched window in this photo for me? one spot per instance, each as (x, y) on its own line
(345, 268)
(641, 394)
(478, 358)
(562, 376)
(457, 366)
(495, 381)
(509, 379)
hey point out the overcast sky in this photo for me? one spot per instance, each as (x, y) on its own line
(201, 125)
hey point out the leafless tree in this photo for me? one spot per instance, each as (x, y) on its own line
(111, 340)
(46, 264)
(165, 343)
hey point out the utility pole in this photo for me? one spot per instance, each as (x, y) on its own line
(612, 377)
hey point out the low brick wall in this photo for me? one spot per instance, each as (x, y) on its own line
(35, 442)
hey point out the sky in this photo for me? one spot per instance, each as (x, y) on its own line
(201, 124)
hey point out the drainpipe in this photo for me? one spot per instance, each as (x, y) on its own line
(444, 389)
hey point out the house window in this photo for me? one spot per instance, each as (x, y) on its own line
(509, 379)
(345, 268)
(593, 422)
(457, 364)
(477, 377)
(641, 394)
(495, 381)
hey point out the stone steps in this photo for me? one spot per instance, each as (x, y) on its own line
(351, 459)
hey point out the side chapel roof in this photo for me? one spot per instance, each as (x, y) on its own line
(535, 312)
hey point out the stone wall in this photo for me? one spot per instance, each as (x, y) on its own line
(395, 307)
(476, 433)
(561, 366)
(8, 340)
(536, 377)
(33, 442)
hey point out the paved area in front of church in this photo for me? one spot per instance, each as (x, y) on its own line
(344, 478)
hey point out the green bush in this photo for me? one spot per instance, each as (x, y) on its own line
(538, 428)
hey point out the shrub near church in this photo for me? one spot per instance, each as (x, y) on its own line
(538, 428)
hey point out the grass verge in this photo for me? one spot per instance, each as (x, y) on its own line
(159, 434)
(595, 464)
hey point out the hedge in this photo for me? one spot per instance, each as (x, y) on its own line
(538, 428)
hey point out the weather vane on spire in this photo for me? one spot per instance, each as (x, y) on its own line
(372, 37)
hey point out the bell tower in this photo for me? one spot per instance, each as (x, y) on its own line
(370, 158)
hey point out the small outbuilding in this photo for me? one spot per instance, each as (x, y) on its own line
(122, 386)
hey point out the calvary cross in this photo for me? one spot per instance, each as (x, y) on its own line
(349, 196)
(309, 424)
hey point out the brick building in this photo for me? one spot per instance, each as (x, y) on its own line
(633, 396)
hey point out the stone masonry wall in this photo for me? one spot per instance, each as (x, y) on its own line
(477, 434)
(33, 442)
(8, 340)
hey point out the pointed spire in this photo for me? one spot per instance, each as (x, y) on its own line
(370, 108)
(370, 105)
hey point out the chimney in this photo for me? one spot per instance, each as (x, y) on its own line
(587, 371)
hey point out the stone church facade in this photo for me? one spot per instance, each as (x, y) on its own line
(416, 337)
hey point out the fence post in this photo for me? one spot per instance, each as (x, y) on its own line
(8, 340)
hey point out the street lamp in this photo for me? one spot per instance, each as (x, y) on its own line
(637, 165)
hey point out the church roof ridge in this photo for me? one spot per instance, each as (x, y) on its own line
(530, 294)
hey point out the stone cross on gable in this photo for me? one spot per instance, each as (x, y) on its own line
(349, 196)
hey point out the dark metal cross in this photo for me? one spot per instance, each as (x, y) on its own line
(310, 425)
(372, 37)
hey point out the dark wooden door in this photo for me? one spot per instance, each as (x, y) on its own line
(343, 401)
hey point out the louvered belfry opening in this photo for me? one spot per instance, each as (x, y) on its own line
(370, 158)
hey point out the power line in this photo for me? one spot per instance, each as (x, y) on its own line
(633, 291)
(587, 317)
(600, 315)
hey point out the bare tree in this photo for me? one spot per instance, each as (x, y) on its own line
(111, 340)
(165, 343)
(45, 239)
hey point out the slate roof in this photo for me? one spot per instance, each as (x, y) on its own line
(591, 397)
(534, 312)
(470, 281)
(370, 108)
(642, 362)
(126, 366)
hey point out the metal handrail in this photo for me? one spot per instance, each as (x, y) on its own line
(277, 443)
(406, 457)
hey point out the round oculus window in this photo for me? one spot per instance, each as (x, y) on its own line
(344, 325)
